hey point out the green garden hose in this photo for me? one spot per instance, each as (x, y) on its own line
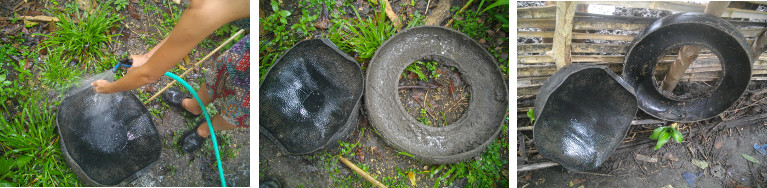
(207, 118)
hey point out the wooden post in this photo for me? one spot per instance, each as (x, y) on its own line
(563, 33)
(688, 54)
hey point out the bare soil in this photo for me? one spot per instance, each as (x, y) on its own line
(444, 97)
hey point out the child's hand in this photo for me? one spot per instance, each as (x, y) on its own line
(100, 86)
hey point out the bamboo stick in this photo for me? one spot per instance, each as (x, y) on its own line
(361, 173)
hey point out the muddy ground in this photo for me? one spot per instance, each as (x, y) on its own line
(139, 32)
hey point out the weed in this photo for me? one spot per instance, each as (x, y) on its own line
(531, 115)
(57, 72)
(416, 19)
(270, 50)
(663, 134)
(301, 27)
(500, 14)
(84, 35)
(415, 68)
(471, 25)
(369, 34)
(120, 4)
(424, 117)
(31, 134)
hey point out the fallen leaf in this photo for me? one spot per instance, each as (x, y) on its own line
(571, 183)
(581, 186)
(186, 60)
(411, 176)
(579, 181)
(749, 158)
(718, 145)
(702, 164)
(668, 186)
(529, 176)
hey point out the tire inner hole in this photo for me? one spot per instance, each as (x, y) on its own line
(699, 80)
(433, 92)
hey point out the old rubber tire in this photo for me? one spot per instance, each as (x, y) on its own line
(464, 138)
(688, 29)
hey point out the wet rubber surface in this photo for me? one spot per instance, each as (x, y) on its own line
(578, 123)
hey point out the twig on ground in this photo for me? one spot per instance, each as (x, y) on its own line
(392, 16)
(360, 172)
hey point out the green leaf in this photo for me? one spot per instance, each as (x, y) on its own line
(531, 115)
(678, 137)
(749, 158)
(656, 133)
(497, 3)
(5, 165)
(405, 154)
(23, 160)
(4, 183)
(702, 164)
(664, 136)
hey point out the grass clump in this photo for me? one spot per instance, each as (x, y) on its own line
(31, 134)
(369, 34)
(84, 35)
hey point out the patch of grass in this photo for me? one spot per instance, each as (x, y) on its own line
(483, 172)
(57, 73)
(369, 34)
(31, 134)
(13, 89)
(304, 25)
(84, 35)
(270, 50)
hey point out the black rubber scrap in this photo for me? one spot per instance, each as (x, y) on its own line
(473, 131)
(582, 112)
(677, 30)
(310, 98)
(107, 139)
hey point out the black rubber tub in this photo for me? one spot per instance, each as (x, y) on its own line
(582, 113)
(310, 98)
(464, 138)
(107, 140)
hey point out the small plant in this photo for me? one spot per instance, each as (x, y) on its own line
(414, 68)
(85, 35)
(370, 33)
(270, 50)
(663, 134)
(301, 27)
(531, 115)
(120, 4)
(503, 16)
(424, 117)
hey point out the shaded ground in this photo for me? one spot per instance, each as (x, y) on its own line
(437, 102)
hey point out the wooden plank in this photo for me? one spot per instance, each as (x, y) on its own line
(600, 25)
(535, 34)
(741, 13)
(529, 59)
(529, 81)
(672, 6)
(751, 31)
(545, 23)
(533, 48)
(537, 12)
(528, 90)
(598, 58)
(535, 70)
(563, 33)
(598, 48)
(595, 36)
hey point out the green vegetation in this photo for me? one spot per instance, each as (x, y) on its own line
(85, 35)
(369, 34)
(663, 134)
(531, 115)
(270, 50)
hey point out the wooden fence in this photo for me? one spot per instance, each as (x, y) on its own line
(536, 62)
